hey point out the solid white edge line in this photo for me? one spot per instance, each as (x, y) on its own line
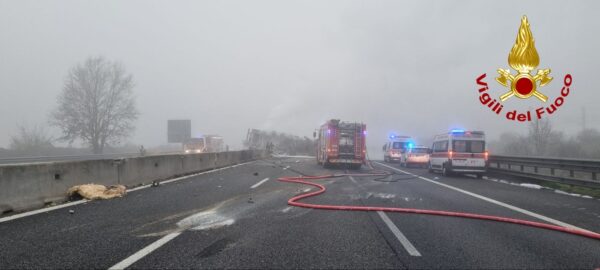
(399, 235)
(145, 251)
(39, 211)
(260, 183)
(48, 209)
(511, 207)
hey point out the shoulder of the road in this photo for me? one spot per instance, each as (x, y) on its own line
(69, 204)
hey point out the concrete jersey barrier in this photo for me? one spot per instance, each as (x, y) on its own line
(29, 186)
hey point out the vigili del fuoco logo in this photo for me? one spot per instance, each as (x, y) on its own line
(524, 59)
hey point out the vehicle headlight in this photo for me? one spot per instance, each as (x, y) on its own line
(187, 151)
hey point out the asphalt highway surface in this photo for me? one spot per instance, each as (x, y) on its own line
(238, 217)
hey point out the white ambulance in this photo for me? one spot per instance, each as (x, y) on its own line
(459, 151)
(393, 149)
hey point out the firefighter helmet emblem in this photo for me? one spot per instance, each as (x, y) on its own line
(523, 58)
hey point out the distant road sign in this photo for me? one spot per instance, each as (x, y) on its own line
(179, 131)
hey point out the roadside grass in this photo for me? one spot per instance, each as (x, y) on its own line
(594, 192)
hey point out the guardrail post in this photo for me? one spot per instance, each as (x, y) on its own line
(594, 176)
(535, 169)
(522, 167)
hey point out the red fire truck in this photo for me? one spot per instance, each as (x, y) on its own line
(341, 143)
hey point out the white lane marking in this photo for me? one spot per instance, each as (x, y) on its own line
(511, 207)
(260, 183)
(399, 235)
(43, 210)
(188, 176)
(145, 251)
(48, 209)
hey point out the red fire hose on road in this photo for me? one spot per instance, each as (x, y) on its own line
(294, 201)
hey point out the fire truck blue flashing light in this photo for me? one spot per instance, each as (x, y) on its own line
(410, 145)
(457, 131)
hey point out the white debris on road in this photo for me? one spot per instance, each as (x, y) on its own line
(534, 186)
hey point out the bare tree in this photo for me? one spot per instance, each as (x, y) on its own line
(539, 135)
(31, 140)
(96, 105)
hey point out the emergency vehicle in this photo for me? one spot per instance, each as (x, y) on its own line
(204, 144)
(417, 155)
(396, 145)
(194, 145)
(341, 143)
(459, 151)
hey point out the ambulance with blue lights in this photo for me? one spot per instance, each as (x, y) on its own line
(459, 151)
(395, 147)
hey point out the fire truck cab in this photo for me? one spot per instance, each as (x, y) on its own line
(341, 143)
(459, 151)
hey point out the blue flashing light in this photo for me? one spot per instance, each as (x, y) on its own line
(410, 145)
(458, 131)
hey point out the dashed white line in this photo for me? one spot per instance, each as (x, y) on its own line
(260, 183)
(511, 207)
(145, 251)
(399, 235)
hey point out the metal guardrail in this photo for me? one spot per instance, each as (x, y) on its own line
(581, 172)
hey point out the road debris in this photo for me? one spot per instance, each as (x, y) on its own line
(95, 192)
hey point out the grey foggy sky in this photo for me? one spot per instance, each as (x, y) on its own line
(403, 66)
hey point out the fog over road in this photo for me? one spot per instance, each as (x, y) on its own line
(398, 66)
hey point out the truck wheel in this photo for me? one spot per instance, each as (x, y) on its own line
(479, 175)
(430, 168)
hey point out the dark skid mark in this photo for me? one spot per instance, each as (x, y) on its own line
(215, 248)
